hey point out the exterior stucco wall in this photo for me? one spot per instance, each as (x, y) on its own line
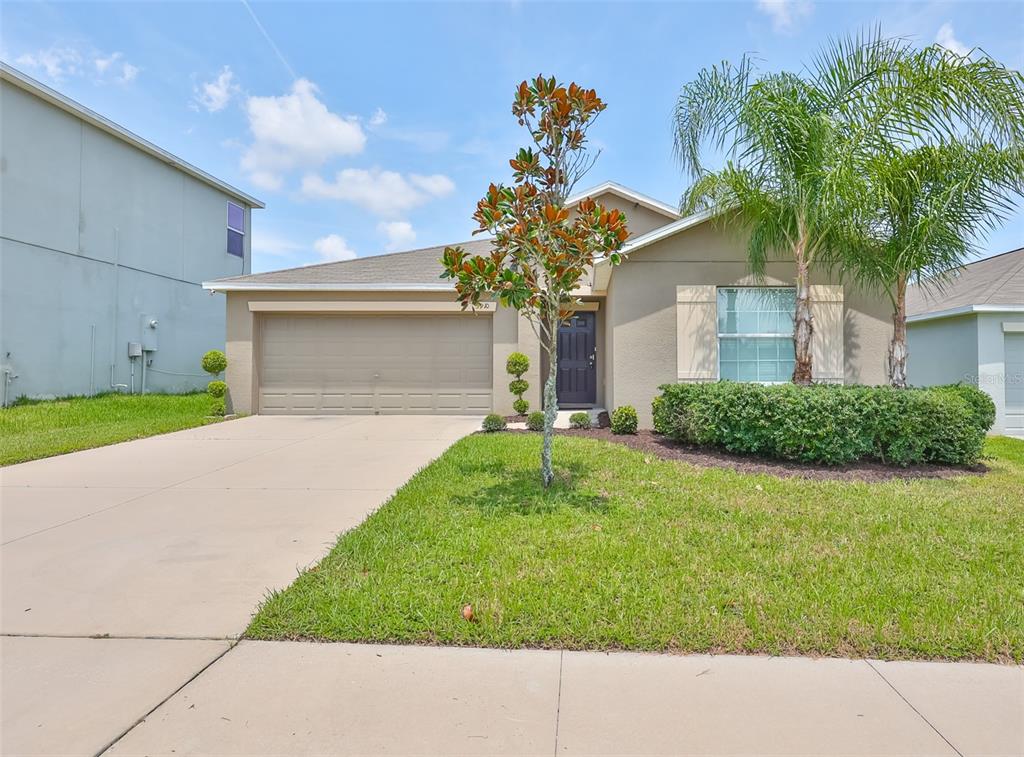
(969, 349)
(242, 343)
(639, 219)
(641, 313)
(85, 215)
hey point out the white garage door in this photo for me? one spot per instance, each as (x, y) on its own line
(350, 364)
(1014, 357)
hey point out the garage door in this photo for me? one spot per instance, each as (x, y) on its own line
(1014, 365)
(349, 364)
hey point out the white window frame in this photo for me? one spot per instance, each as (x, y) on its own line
(772, 335)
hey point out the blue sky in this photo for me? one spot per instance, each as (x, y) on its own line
(373, 127)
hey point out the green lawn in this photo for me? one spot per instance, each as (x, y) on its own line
(633, 552)
(40, 429)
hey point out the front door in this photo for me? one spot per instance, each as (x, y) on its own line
(577, 361)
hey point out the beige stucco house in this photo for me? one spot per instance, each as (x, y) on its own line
(384, 334)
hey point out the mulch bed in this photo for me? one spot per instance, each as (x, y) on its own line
(651, 443)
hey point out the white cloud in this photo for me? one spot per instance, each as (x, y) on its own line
(785, 13)
(948, 40)
(379, 118)
(56, 62)
(400, 234)
(385, 193)
(216, 94)
(59, 63)
(333, 247)
(295, 130)
(268, 243)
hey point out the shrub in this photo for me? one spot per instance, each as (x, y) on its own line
(624, 420)
(827, 423)
(535, 421)
(518, 386)
(217, 389)
(521, 406)
(580, 420)
(218, 407)
(494, 422)
(214, 362)
(517, 364)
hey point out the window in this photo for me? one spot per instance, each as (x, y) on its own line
(755, 333)
(236, 230)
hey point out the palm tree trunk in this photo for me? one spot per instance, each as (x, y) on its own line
(898, 345)
(547, 472)
(803, 326)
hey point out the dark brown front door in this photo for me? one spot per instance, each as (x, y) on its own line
(577, 361)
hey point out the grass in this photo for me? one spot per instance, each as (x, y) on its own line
(634, 552)
(33, 429)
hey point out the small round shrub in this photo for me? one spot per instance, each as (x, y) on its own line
(218, 407)
(517, 364)
(624, 420)
(518, 386)
(580, 420)
(214, 362)
(217, 389)
(521, 406)
(494, 422)
(535, 421)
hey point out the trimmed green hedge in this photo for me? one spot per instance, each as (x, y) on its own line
(830, 424)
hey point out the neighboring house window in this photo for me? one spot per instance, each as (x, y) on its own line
(236, 230)
(755, 333)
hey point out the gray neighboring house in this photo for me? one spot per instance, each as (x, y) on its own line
(972, 330)
(105, 240)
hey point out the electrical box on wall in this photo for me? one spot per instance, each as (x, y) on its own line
(134, 349)
(148, 326)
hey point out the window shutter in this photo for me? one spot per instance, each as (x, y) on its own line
(827, 343)
(696, 333)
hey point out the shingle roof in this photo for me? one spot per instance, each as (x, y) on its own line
(998, 280)
(414, 268)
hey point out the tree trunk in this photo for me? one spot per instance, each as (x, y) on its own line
(803, 326)
(898, 345)
(547, 471)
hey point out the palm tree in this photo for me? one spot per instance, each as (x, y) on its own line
(931, 203)
(797, 145)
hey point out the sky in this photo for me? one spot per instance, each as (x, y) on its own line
(375, 127)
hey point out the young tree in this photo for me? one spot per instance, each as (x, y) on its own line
(541, 248)
(799, 146)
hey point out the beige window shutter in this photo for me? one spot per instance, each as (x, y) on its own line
(827, 343)
(696, 333)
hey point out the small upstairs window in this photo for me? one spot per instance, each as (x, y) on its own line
(236, 230)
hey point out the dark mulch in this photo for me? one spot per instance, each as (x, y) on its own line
(655, 444)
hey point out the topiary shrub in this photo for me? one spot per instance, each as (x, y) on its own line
(580, 420)
(516, 365)
(217, 389)
(624, 420)
(214, 362)
(535, 421)
(494, 422)
(218, 407)
(829, 424)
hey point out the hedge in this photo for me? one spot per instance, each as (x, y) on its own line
(828, 423)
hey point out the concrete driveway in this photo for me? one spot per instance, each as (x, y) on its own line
(126, 570)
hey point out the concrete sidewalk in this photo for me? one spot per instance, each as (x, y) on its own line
(295, 698)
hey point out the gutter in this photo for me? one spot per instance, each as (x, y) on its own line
(253, 286)
(964, 310)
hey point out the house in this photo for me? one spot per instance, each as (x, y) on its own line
(105, 240)
(384, 334)
(971, 329)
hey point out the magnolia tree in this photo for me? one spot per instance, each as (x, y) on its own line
(541, 248)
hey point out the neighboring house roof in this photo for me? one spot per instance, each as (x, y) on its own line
(52, 96)
(994, 284)
(610, 187)
(414, 270)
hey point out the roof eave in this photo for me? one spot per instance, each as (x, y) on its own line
(626, 193)
(964, 310)
(55, 98)
(255, 286)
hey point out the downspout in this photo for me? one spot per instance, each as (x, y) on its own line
(113, 325)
